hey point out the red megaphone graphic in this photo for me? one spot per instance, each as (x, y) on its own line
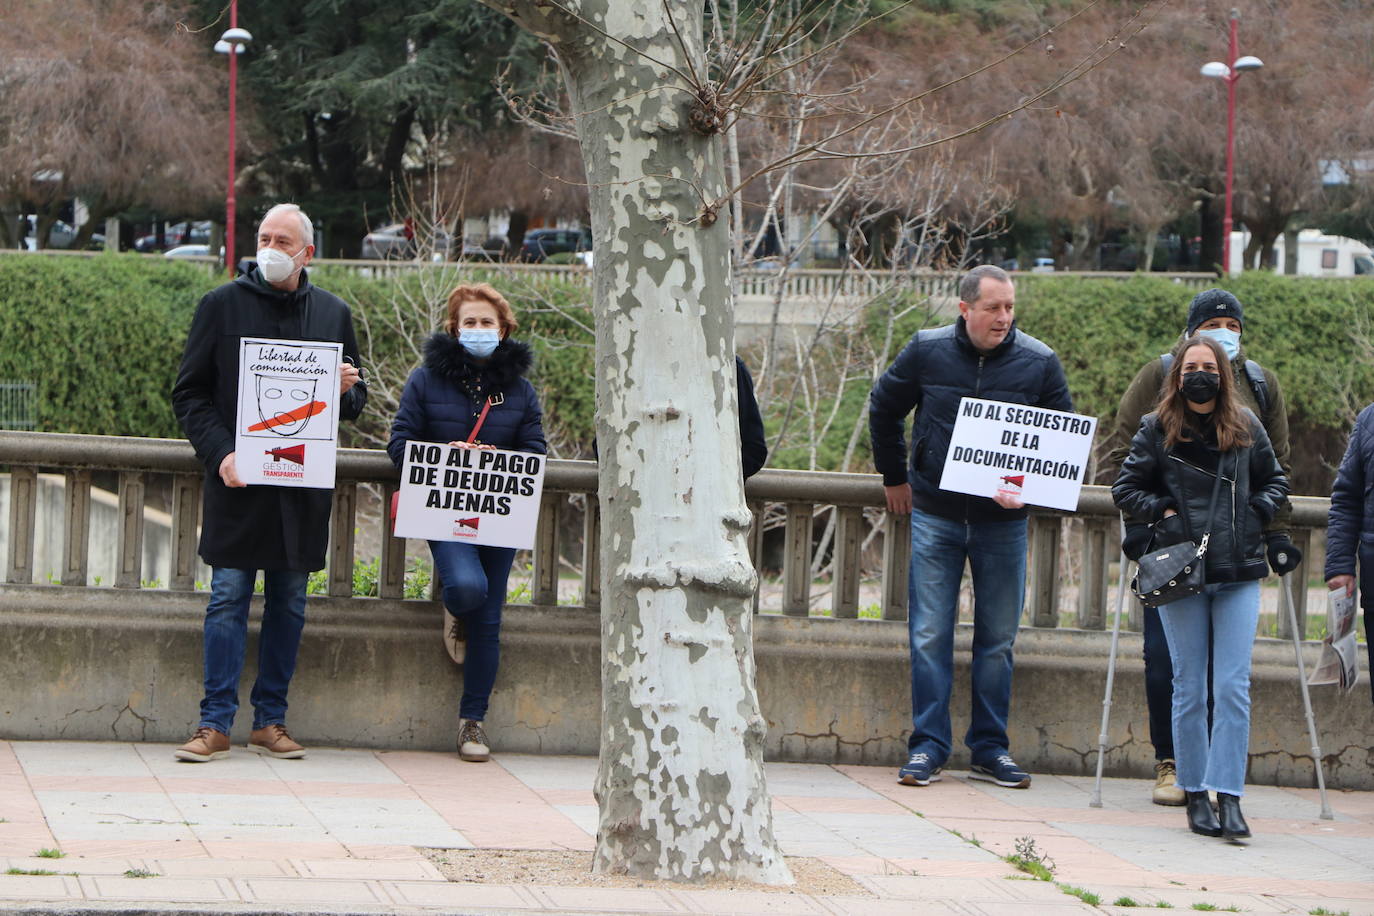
(1018, 480)
(292, 453)
(467, 522)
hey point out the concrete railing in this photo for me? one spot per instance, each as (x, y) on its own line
(124, 662)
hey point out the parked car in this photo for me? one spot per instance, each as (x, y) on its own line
(184, 233)
(391, 243)
(540, 243)
(63, 234)
(190, 251)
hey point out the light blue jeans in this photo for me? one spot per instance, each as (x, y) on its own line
(996, 554)
(1219, 620)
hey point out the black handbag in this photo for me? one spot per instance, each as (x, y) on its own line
(1177, 571)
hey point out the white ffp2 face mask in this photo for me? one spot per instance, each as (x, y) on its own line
(276, 265)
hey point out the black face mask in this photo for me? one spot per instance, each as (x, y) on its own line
(1200, 387)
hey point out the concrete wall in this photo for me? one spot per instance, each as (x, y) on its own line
(96, 664)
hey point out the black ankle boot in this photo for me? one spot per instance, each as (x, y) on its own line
(1201, 818)
(1233, 826)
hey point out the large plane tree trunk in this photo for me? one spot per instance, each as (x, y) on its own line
(681, 786)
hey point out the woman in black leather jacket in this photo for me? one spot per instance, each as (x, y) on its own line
(1199, 431)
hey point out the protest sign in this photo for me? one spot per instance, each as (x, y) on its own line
(1037, 454)
(288, 418)
(475, 495)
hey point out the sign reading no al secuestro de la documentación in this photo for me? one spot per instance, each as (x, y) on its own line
(1040, 455)
(477, 495)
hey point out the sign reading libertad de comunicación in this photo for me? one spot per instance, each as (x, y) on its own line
(1037, 454)
(287, 432)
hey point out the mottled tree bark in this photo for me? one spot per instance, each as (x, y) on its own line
(681, 786)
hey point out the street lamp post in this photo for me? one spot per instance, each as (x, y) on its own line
(1229, 72)
(232, 43)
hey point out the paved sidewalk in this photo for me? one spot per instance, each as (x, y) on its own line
(337, 833)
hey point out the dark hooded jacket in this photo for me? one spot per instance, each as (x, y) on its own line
(443, 399)
(256, 527)
(933, 372)
(1183, 476)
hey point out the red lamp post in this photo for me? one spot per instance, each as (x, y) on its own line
(232, 43)
(1229, 72)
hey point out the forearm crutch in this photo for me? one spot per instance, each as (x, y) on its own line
(1096, 800)
(1286, 593)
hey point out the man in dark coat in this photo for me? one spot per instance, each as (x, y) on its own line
(281, 530)
(1350, 524)
(981, 355)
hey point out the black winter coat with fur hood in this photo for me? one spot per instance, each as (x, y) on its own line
(443, 399)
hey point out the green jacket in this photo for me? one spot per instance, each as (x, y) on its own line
(1142, 396)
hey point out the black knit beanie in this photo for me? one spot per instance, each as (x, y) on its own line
(1213, 303)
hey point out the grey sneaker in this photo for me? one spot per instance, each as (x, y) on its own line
(472, 741)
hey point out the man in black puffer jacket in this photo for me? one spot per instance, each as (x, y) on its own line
(981, 355)
(1350, 525)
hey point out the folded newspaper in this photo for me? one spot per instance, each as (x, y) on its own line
(1340, 661)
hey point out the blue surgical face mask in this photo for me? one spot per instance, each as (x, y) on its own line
(1229, 340)
(480, 342)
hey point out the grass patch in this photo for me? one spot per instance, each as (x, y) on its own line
(140, 873)
(1029, 859)
(1205, 907)
(1124, 901)
(46, 853)
(29, 871)
(1323, 911)
(1083, 894)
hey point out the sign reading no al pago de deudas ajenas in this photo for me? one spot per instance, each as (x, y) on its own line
(1040, 455)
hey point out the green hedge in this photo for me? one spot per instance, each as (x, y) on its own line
(102, 337)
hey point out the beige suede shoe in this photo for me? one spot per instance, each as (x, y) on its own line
(274, 741)
(205, 745)
(1166, 790)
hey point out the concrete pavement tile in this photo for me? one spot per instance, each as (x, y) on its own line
(80, 760)
(40, 887)
(240, 764)
(333, 765)
(268, 849)
(247, 817)
(386, 821)
(81, 866)
(60, 782)
(1183, 898)
(860, 865)
(1355, 906)
(814, 781)
(587, 818)
(1046, 791)
(386, 870)
(874, 805)
(322, 893)
(747, 903)
(196, 785)
(913, 887)
(583, 797)
(125, 817)
(1029, 889)
(575, 773)
(1068, 906)
(799, 835)
(607, 899)
(222, 868)
(179, 890)
(889, 835)
(1356, 849)
(100, 849)
(867, 906)
(1114, 872)
(952, 868)
(350, 790)
(454, 896)
(373, 851)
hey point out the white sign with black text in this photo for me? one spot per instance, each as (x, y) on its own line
(1037, 454)
(476, 495)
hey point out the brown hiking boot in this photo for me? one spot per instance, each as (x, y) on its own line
(472, 741)
(273, 741)
(455, 637)
(1166, 790)
(205, 745)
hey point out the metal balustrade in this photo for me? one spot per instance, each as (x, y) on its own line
(803, 498)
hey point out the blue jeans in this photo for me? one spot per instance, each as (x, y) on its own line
(1218, 622)
(474, 579)
(996, 553)
(226, 641)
